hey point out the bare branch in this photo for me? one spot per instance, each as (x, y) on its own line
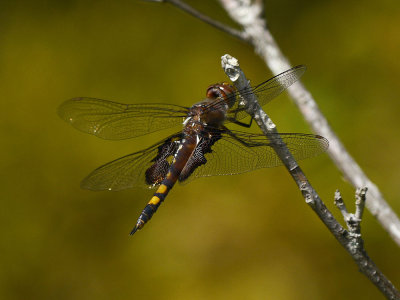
(353, 221)
(356, 244)
(249, 15)
(360, 202)
(350, 240)
(195, 13)
(340, 204)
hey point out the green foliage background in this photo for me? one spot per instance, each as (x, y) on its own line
(238, 237)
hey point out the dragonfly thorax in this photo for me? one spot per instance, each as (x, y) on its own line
(209, 112)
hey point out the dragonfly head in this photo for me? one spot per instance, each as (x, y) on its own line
(224, 91)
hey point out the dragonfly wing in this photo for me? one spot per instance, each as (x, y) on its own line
(267, 90)
(241, 152)
(146, 168)
(117, 121)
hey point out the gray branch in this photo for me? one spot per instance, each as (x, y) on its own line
(353, 221)
(250, 15)
(195, 13)
(356, 243)
(350, 240)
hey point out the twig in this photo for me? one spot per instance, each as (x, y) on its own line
(353, 221)
(195, 13)
(360, 202)
(352, 241)
(249, 14)
(356, 243)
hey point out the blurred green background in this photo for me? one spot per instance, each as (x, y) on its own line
(238, 237)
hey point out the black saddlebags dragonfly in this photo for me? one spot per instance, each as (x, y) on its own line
(205, 147)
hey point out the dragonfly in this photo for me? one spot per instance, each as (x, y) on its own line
(203, 147)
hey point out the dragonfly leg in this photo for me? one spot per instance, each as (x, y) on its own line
(240, 140)
(233, 120)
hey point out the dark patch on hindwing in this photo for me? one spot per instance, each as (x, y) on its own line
(161, 163)
(198, 158)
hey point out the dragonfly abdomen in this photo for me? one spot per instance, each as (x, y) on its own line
(181, 157)
(154, 203)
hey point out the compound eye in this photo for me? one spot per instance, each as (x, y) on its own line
(213, 92)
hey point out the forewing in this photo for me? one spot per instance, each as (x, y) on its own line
(245, 152)
(117, 121)
(145, 168)
(267, 90)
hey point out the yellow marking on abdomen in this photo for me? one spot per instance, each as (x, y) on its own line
(162, 189)
(155, 200)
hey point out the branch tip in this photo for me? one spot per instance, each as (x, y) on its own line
(338, 201)
(231, 67)
(361, 194)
